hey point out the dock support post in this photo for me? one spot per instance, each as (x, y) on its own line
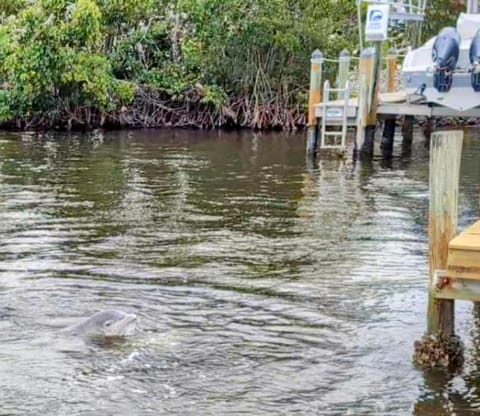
(390, 120)
(365, 79)
(373, 64)
(446, 150)
(427, 131)
(392, 70)
(315, 97)
(388, 135)
(440, 344)
(343, 72)
(407, 133)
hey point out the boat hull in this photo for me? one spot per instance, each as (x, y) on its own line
(460, 97)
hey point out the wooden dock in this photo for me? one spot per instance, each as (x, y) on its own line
(461, 279)
(393, 103)
(464, 254)
(454, 260)
(362, 108)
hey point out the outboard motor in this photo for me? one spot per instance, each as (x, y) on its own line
(445, 56)
(475, 61)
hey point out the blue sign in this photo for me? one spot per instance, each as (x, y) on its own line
(375, 15)
(377, 22)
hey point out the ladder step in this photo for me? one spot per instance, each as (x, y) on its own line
(328, 146)
(337, 115)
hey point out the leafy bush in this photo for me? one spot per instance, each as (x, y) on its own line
(53, 60)
(58, 55)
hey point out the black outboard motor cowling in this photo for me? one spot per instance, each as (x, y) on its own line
(475, 61)
(446, 49)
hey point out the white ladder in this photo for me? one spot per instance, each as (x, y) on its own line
(334, 114)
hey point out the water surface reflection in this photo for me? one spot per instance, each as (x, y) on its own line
(263, 287)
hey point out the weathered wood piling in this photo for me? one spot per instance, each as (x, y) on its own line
(389, 126)
(365, 80)
(440, 346)
(392, 70)
(315, 97)
(407, 131)
(446, 150)
(373, 64)
(343, 72)
(390, 120)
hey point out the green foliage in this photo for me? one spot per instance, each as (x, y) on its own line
(442, 13)
(214, 96)
(5, 106)
(55, 61)
(11, 7)
(83, 28)
(141, 50)
(263, 45)
(241, 47)
(66, 54)
(122, 15)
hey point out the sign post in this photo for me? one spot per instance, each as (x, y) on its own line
(376, 31)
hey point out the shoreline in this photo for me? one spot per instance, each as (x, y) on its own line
(153, 108)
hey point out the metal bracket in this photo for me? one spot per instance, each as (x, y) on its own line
(440, 279)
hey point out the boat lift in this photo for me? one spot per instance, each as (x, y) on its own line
(430, 88)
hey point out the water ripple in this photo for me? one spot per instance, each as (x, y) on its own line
(262, 287)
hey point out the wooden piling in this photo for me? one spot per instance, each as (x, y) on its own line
(445, 150)
(365, 78)
(427, 131)
(407, 132)
(366, 150)
(392, 70)
(390, 122)
(315, 97)
(343, 71)
(439, 346)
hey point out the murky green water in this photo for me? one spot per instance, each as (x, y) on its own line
(262, 287)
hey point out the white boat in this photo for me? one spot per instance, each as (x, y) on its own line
(446, 70)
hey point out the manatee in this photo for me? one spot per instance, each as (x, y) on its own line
(109, 323)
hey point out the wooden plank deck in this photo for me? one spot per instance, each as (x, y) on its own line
(464, 254)
(396, 103)
(384, 99)
(461, 280)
